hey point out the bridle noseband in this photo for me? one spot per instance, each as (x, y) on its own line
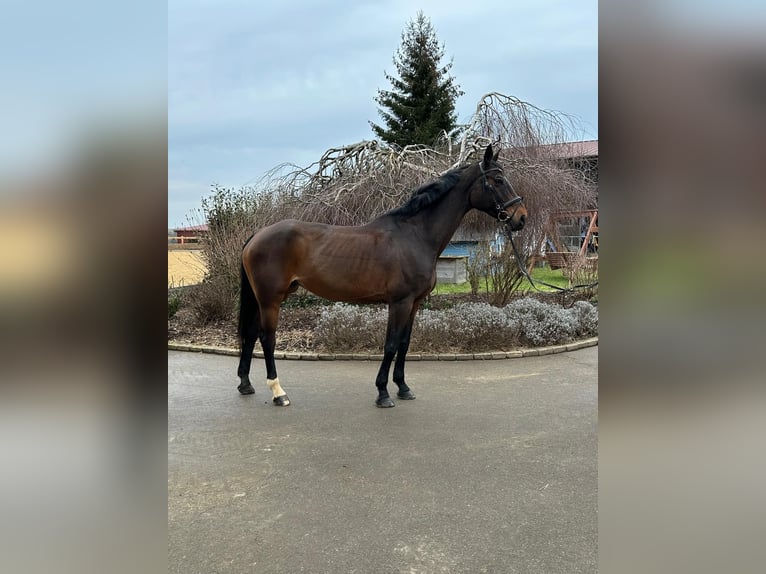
(500, 205)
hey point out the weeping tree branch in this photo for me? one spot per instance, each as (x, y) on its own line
(352, 184)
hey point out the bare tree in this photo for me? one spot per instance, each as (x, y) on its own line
(352, 184)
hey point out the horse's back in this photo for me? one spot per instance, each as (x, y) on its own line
(290, 234)
(275, 244)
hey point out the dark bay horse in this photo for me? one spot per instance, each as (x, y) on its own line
(389, 260)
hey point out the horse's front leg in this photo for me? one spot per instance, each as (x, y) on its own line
(398, 317)
(404, 391)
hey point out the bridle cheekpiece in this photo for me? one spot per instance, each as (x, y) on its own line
(500, 205)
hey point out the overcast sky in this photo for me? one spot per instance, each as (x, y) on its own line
(252, 85)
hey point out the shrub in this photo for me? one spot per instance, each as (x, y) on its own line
(431, 329)
(232, 216)
(584, 271)
(467, 327)
(343, 327)
(174, 303)
(586, 319)
(303, 299)
(542, 323)
(477, 268)
(504, 274)
(175, 298)
(214, 299)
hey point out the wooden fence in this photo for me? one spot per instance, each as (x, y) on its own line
(179, 242)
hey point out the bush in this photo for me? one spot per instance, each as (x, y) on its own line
(232, 216)
(343, 327)
(542, 323)
(584, 271)
(467, 327)
(303, 299)
(477, 268)
(174, 303)
(586, 316)
(215, 299)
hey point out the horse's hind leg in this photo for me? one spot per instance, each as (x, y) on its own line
(249, 328)
(269, 320)
(249, 337)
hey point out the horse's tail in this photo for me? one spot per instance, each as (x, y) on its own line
(248, 308)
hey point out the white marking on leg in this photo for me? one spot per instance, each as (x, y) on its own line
(276, 389)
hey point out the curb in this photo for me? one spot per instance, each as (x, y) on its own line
(291, 356)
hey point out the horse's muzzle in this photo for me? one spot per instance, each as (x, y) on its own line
(516, 218)
(516, 223)
(522, 221)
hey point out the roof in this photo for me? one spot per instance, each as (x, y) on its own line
(202, 227)
(573, 150)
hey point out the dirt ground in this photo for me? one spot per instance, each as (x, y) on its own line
(296, 330)
(185, 267)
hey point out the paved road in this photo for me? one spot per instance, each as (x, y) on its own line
(492, 469)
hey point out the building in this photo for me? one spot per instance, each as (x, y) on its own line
(191, 234)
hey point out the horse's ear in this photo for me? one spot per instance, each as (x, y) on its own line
(497, 155)
(487, 156)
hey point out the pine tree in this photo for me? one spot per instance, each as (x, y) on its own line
(422, 101)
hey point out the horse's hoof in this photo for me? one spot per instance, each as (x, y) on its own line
(246, 389)
(384, 403)
(282, 401)
(406, 395)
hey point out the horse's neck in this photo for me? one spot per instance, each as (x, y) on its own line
(437, 224)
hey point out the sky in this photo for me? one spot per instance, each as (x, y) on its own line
(252, 85)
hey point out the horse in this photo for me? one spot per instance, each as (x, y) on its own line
(390, 260)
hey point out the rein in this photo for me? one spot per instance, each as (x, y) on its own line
(503, 217)
(525, 273)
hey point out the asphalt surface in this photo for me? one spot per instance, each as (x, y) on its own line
(492, 469)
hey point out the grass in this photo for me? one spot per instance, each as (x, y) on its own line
(452, 288)
(552, 276)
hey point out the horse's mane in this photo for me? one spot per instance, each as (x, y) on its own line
(429, 193)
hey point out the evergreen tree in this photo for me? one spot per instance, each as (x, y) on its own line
(422, 101)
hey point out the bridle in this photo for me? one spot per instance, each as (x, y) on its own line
(500, 205)
(503, 216)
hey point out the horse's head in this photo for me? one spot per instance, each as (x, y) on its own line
(493, 194)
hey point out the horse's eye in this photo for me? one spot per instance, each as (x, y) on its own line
(498, 180)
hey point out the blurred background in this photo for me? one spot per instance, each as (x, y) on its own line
(83, 182)
(681, 338)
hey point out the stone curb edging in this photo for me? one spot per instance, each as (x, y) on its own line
(292, 356)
